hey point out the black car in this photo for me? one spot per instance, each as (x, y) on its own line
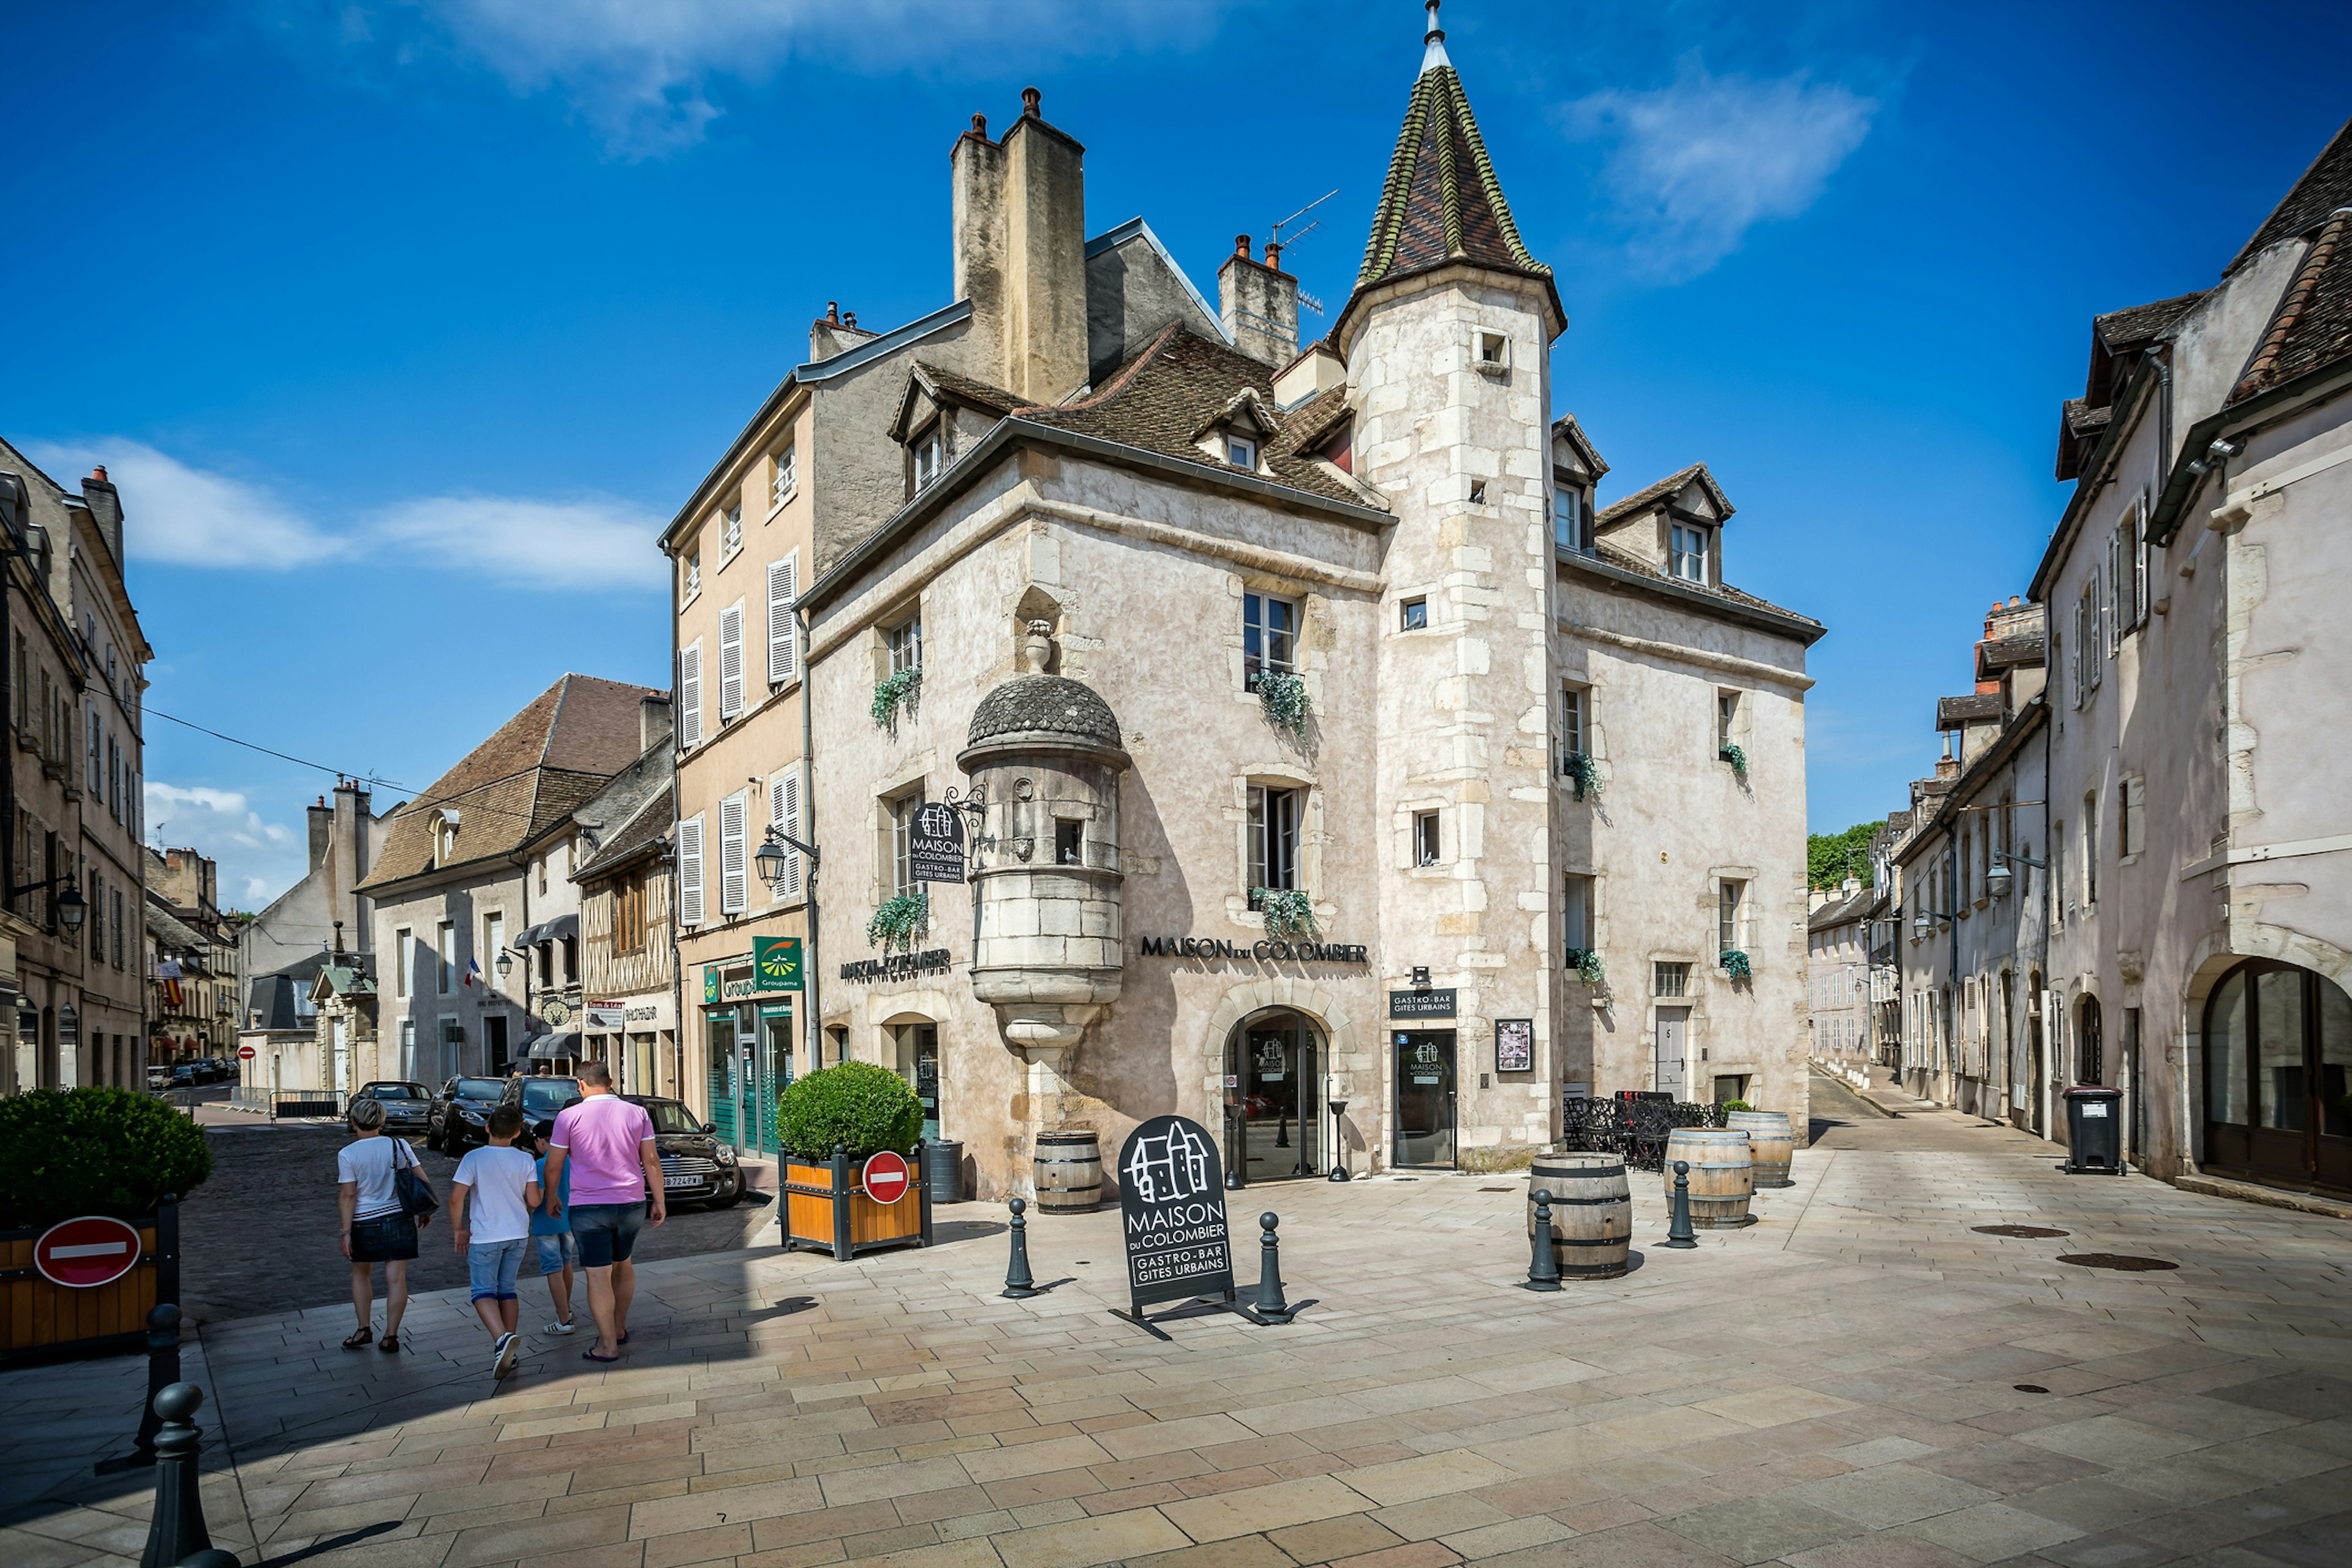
(542, 1098)
(696, 1168)
(406, 1105)
(184, 1076)
(454, 1120)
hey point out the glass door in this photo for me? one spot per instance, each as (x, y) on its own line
(918, 1064)
(1274, 1116)
(1425, 1098)
(774, 1070)
(719, 1036)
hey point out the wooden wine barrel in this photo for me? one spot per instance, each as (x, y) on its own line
(1722, 1176)
(1770, 1145)
(1592, 1212)
(1068, 1170)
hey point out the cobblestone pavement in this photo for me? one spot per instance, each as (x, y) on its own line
(261, 1235)
(1861, 1378)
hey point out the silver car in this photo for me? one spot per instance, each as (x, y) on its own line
(405, 1104)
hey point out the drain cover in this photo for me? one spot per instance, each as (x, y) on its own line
(2015, 1230)
(2123, 1262)
(2029, 1388)
(1498, 1189)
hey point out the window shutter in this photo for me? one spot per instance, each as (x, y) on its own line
(733, 891)
(2139, 564)
(689, 871)
(784, 814)
(730, 661)
(783, 640)
(689, 702)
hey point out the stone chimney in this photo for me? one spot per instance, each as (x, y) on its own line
(836, 333)
(1257, 303)
(655, 721)
(106, 506)
(353, 855)
(322, 832)
(1019, 236)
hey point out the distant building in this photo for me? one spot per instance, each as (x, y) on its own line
(198, 949)
(281, 950)
(627, 930)
(1837, 971)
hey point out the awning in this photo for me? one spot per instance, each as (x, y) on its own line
(563, 1046)
(530, 936)
(559, 928)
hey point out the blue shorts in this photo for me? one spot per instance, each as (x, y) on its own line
(492, 1267)
(607, 1233)
(557, 1252)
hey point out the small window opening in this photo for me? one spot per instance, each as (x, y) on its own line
(1425, 837)
(1069, 843)
(1477, 492)
(1241, 452)
(1413, 615)
(1670, 979)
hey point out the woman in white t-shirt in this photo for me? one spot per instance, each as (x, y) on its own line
(375, 1228)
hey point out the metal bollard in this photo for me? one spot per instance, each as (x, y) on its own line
(162, 1370)
(177, 1530)
(1018, 1284)
(1543, 1270)
(1270, 1304)
(1679, 1234)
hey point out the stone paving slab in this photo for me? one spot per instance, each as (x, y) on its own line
(1837, 1384)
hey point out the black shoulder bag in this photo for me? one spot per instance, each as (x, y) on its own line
(416, 1193)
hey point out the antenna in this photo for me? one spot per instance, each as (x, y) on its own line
(1301, 213)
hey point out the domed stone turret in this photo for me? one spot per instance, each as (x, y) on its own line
(1038, 709)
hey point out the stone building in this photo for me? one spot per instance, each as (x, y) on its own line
(183, 887)
(456, 882)
(72, 912)
(1297, 713)
(1837, 971)
(628, 950)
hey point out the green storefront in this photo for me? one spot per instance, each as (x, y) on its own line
(748, 1005)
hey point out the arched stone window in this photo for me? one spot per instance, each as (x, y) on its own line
(2278, 1074)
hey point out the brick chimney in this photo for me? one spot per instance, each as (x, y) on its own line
(1019, 237)
(655, 721)
(1257, 303)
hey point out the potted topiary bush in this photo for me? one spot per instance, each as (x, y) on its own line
(830, 1123)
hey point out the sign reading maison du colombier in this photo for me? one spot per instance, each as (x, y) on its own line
(1172, 1204)
(1219, 947)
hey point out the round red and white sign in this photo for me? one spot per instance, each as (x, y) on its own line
(91, 1251)
(886, 1177)
(246, 1052)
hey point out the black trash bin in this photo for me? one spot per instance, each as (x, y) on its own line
(2095, 1136)
(943, 1169)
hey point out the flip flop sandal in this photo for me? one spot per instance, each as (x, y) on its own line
(600, 1360)
(359, 1340)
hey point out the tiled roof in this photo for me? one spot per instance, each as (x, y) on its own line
(1976, 708)
(1566, 425)
(2138, 324)
(1841, 911)
(1628, 562)
(634, 808)
(2009, 653)
(1305, 426)
(649, 826)
(2323, 187)
(1650, 494)
(967, 389)
(1442, 202)
(2313, 324)
(536, 770)
(2082, 419)
(1177, 385)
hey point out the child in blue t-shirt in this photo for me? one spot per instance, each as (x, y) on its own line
(558, 1254)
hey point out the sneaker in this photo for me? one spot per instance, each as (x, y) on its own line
(558, 1327)
(507, 1347)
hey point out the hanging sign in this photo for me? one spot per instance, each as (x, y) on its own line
(935, 846)
(1172, 1199)
(776, 962)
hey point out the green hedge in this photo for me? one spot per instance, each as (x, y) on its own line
(868, 1108)
(93, 1151)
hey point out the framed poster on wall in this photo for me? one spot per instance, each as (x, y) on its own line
(1515, 1045)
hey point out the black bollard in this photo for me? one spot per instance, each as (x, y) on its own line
(1543, 1268)
(177, 1530)
(1018, 1285)
(1679, 1234)
(162, 1370)
(1270, 1305)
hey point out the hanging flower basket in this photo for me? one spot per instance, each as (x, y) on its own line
(1736, 757)
(1589, 969)
(1283, 697)
(1735, 964)
(1288, 912)
(899, 921)
(897, 690)
(1584, 773)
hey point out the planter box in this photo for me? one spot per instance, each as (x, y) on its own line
(39, 1319)
(826, 1208)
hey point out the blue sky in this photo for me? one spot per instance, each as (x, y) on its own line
(405, 324)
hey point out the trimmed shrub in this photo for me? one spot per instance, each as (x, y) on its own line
(1731, 1105)
(868, 1108)
(94, 1151)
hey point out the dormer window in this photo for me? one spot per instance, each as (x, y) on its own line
(1687, 554)
(929, 454)
(1241, 451)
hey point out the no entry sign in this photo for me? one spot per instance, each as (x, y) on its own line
(86, 1252)
(246, 1052)
(887, 1179)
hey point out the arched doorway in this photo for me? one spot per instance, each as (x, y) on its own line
(1273, 1099)
(2278, 1074)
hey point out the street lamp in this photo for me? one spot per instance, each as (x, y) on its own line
(1923, 925)
(770, 861)
(506, 963)
(1999, 881)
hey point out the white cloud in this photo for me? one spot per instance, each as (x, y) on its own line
(179, 514)
(641, 71)
(1696, 165)
(193, 516)
(258, 859)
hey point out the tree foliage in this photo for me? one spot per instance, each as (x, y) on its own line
(1832, 857)
(93, 1151)
(865, 1107)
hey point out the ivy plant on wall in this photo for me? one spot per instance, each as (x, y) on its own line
(899, 921)
(1288, 912)
(1584, 773)
(1735, 964)
(894, 691)
(1283, 697)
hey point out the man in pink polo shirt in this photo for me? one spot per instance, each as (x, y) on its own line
(607, 1145)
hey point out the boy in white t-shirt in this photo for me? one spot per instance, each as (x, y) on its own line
(498, 1184)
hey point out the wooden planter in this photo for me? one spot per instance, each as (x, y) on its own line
(826, 1208)
(40, 1318)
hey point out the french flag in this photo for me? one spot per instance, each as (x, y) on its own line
(473, 973)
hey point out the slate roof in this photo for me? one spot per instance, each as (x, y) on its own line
(1628, 562)
(635, 809)
(1441, 201)
(2082, 419)
(2009, 652)
(1841, 911)
(2323, 188)
(1650, 494)
(1976, 708)
(1594, 464)
(1048, 707)
(536, 770)
(169, 931)
(2136, 325)
(1179, 383)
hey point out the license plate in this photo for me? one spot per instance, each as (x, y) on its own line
(669, 1182)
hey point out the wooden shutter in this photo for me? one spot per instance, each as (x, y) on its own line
(733, 891)
(784, 815)
(689, 871)
(783, 639)
(730, 661)
(689, 702)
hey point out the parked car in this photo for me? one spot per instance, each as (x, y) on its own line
(183, 1076)
(540, 1099)
(406, 1105)
(696, 1168)
(454, 1120)
(222, 1070)
(159, 1075)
